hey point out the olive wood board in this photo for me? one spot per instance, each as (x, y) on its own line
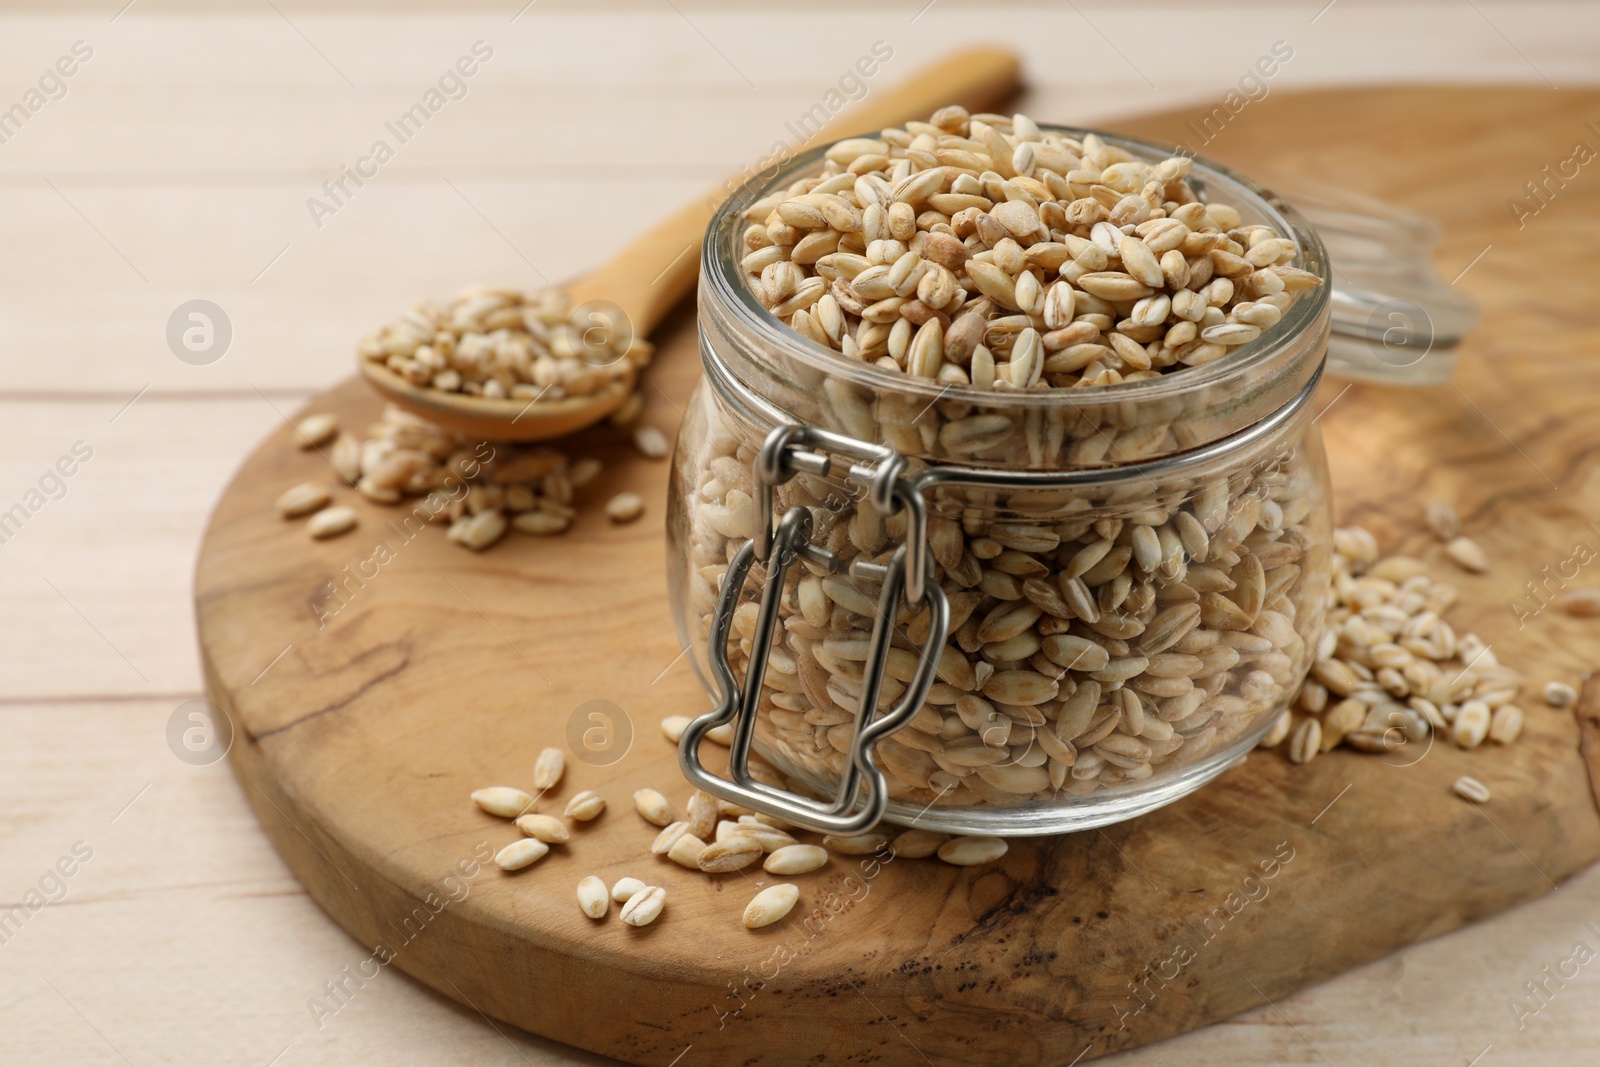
(360, 735)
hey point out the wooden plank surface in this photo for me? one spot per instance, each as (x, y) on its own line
(185, 939)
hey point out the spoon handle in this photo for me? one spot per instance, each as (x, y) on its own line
(657, 270)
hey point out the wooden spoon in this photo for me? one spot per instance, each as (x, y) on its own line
(650, 276)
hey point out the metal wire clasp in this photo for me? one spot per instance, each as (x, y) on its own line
(862, 794)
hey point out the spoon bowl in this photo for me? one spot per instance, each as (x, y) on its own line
(500, 418)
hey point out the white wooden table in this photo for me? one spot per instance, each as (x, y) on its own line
(175, 163)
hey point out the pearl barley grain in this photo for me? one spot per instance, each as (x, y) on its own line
(1560, 695)
(855, 844)
(651, 442)
(540, 523)
(644, 907)
(547, 828)
(652, 807)
(1505, 726)
(331, 522)
(345, 456)
(972, 851)
(700, 812)
(733, 854)
(585, 806)
(593, 900)
(687, 850)
(1471, 725)
(1279, 729)
(916, 844)
(625, 888)
(520, 854)
(770, 838)
(1442, 520)
(303, 499)
(796, 859)
(668, 837)
(314, 430)
(479, 531)
(1306, 741)
(770, 905)
(548, 768)
(504, 801)
(1467, 554)
(625, 507)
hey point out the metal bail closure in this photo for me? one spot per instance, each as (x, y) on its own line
(862, 794)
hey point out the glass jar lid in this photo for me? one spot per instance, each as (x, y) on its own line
(1395, 320)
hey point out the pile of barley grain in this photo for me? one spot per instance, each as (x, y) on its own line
(981, 249)
(1390, 671)
(706, 835)
(478, 490)
(504, 343)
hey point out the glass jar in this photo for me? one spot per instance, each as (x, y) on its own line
(1064, 607)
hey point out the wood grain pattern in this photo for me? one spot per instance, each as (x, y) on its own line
(448, 671)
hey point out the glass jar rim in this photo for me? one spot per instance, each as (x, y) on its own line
(750, 405)
(724, 275)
